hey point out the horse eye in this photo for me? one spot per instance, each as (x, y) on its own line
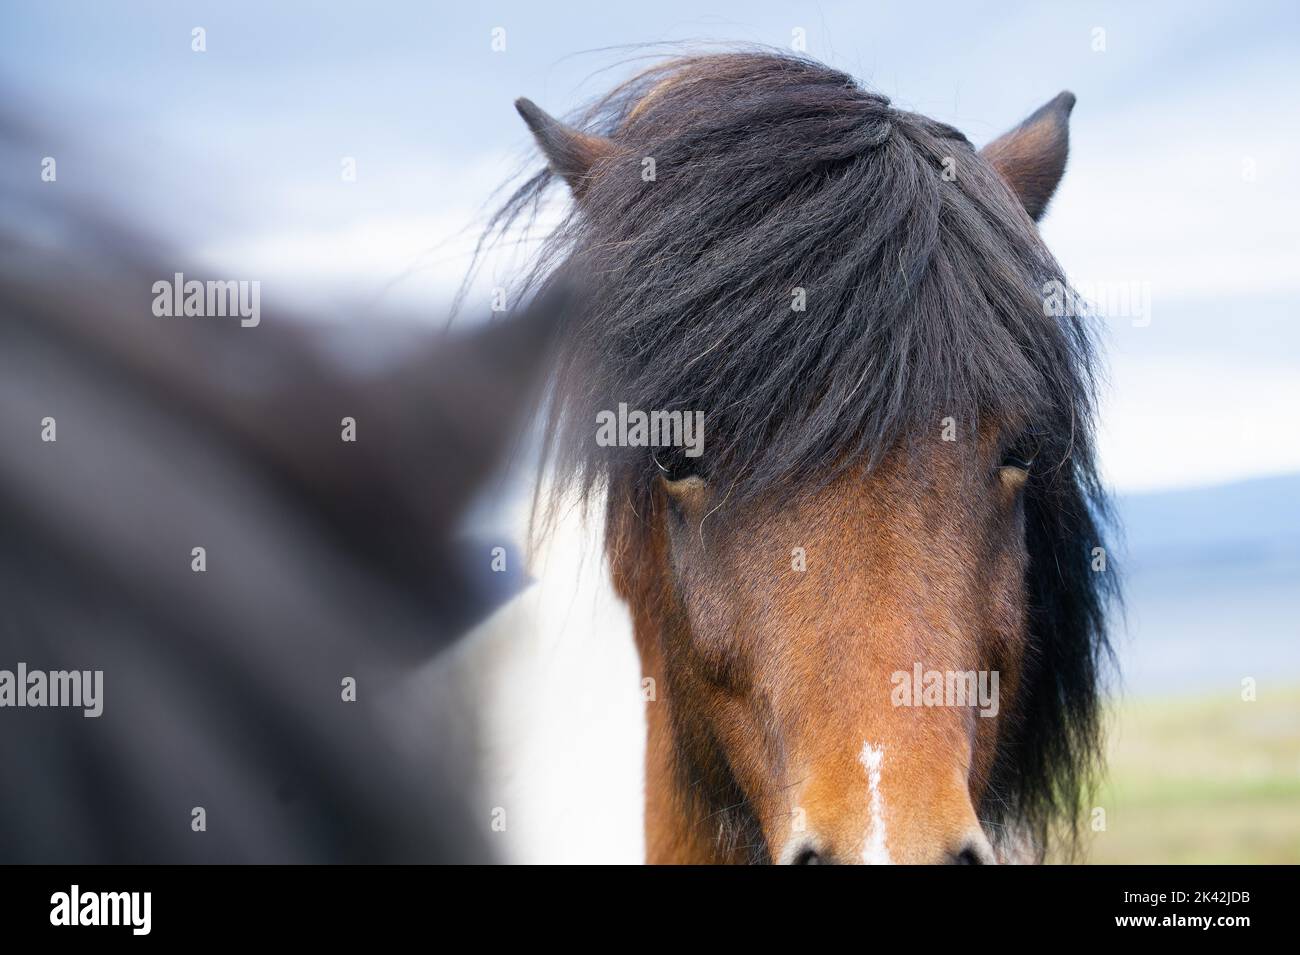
(1021, 453)
(675, 466)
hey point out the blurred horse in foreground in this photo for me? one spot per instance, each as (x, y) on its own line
(251, 691)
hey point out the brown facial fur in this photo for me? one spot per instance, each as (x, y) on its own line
(769, 679)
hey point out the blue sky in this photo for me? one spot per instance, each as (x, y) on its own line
(1179, 176)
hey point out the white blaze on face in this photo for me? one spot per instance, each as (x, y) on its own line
(874, 850)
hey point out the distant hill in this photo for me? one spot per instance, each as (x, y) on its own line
(1241, 523)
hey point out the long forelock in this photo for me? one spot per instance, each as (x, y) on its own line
(818, 273)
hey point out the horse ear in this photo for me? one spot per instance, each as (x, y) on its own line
(570, 152)
(1031, 157)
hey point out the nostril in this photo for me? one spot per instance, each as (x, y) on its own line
(802, 851)
(975, 851)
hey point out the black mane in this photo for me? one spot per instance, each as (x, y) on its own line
(924, 299)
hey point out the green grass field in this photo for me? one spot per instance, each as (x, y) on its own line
(1202, 780)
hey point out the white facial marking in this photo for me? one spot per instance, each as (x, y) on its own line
(874, 851)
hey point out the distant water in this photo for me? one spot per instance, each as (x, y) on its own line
(1212, 582)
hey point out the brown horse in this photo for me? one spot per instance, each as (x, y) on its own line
(872, 613)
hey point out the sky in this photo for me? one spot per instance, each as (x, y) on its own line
(1179, 186)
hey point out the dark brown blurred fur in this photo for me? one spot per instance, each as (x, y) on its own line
(325, 560)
